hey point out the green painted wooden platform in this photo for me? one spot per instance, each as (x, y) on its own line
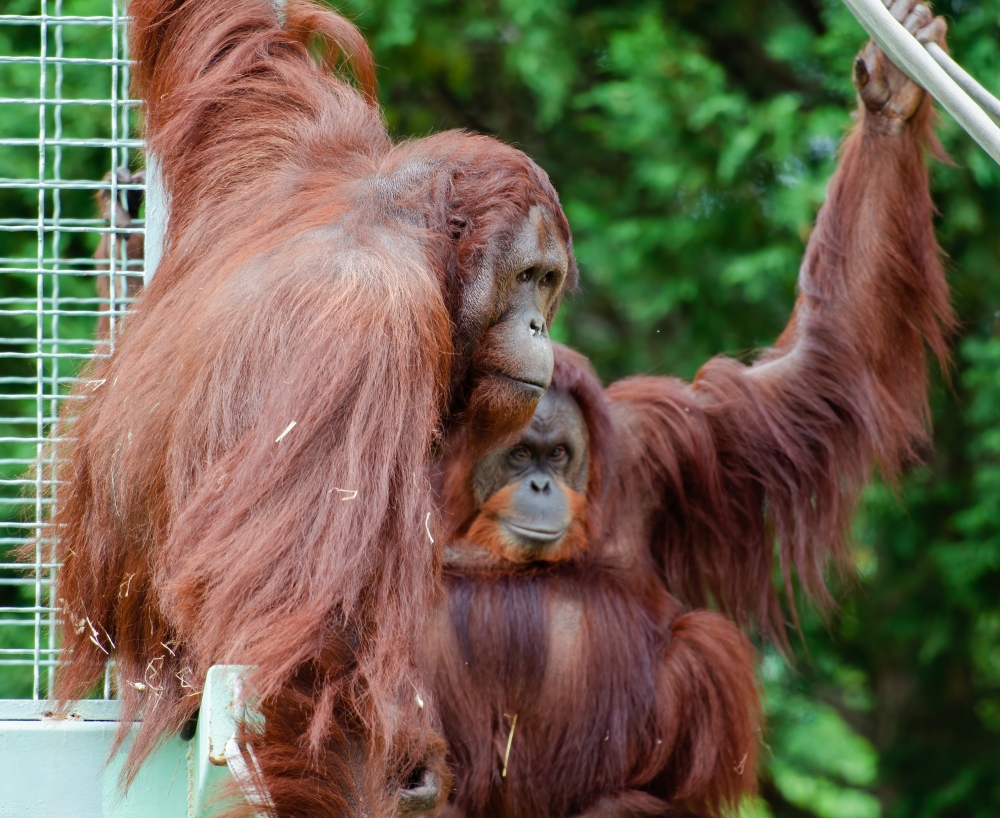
(59, 768)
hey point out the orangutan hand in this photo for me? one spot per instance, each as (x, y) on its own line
(885, 90)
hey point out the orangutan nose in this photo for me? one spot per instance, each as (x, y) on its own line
(541, 484)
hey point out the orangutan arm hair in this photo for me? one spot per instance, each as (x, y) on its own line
(780, 450)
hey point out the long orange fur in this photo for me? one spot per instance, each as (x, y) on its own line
(248, 478)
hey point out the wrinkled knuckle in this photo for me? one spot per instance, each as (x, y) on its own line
(875, 96)
(900, 9)
(935, 31)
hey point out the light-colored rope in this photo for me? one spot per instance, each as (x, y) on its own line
(921, 65)
(984, 98)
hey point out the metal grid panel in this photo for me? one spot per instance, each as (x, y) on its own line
(65, 121)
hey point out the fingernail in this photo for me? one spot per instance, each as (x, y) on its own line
(860, 71)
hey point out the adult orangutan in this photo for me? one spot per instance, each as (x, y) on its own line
(574, 667)
(248, 481)
(568, 678)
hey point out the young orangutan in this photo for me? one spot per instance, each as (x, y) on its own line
(575, 670)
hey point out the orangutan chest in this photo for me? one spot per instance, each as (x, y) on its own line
(537, 683)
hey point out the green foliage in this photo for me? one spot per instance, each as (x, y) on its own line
(820, 764)
(691, 142)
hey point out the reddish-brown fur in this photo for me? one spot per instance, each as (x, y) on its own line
(313, 272)
(627, 705)
(613, 693)
(779, 450)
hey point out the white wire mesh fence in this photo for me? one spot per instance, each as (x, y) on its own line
(70, 260)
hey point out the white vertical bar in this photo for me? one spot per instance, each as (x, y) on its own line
(39, 346)
(114, 247)
(116, 162)
(157, 214)
(126, 126)
(54, 376)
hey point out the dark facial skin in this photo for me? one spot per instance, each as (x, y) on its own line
(528, 273)
(526, 333)
(550, 457)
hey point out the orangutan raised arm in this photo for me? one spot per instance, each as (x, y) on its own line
(781, 448)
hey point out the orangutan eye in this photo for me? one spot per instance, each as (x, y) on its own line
(547, 280)
(520, 453)
(525, 276)
(559, 453)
